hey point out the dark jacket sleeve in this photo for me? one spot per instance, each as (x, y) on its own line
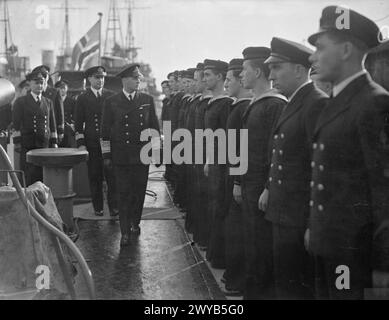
(53, 125)
(59, 115)
(17, 119)
(273, 113)
(371, 127)
(165, 110)
(79, 118)
(153, 116)
(5, 117)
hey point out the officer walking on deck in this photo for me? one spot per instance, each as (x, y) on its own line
(125, 116)
(89, 107)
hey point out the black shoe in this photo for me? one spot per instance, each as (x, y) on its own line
(125, 240)
(135, 230)
(113, 212)
(99, 213)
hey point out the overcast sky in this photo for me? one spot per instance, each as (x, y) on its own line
(176, 34)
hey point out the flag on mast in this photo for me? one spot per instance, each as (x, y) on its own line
(87, 49)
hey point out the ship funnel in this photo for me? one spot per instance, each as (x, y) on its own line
(7, 92)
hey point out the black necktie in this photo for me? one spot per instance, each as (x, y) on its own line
(38, 101)
(130, 97)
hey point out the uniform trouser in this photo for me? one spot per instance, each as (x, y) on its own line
(96, 174)
(168, 172)
(358, 263)
(259, 283)
(293, 266)
(32, 172)
(69, 140)
(131, 184)
(189, 192)
(202, 218)
(181, 186)
(234, 234)
(217, 213)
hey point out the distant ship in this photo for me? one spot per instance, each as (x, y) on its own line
(12, 66)
(114, 56)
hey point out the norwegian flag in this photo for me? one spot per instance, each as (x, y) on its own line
(86, 51)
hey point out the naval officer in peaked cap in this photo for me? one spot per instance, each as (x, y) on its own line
(349, 205)
(53, 95)
(88, 112)
(34, 124)
(286, 196)
(125, 116)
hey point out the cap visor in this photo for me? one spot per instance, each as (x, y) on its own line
(274, 59)
(312, 38)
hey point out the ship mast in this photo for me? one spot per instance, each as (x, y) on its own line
(8, 50)
(65, 54)
(114, 31)
(132, 51)
(66, 49)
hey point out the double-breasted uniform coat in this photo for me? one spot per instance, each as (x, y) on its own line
(289, 191)
(88, 132)
(35, 128)
(349, 205)
(122, 123)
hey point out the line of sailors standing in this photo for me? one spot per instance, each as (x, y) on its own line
(315, 196)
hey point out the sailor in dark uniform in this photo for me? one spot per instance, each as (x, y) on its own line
(377, 63)
(34, 124)
(125, 116)
(23, 88)
(69, 106)
(165, 117)
(181, 189)
(175, 104)
(286, 197)
(234, 274)
(166, 100)
(89, 108)
(191, 185)
(202, 219)
(349, 207)
(53, 95)
(216, 115)
(259, 119)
